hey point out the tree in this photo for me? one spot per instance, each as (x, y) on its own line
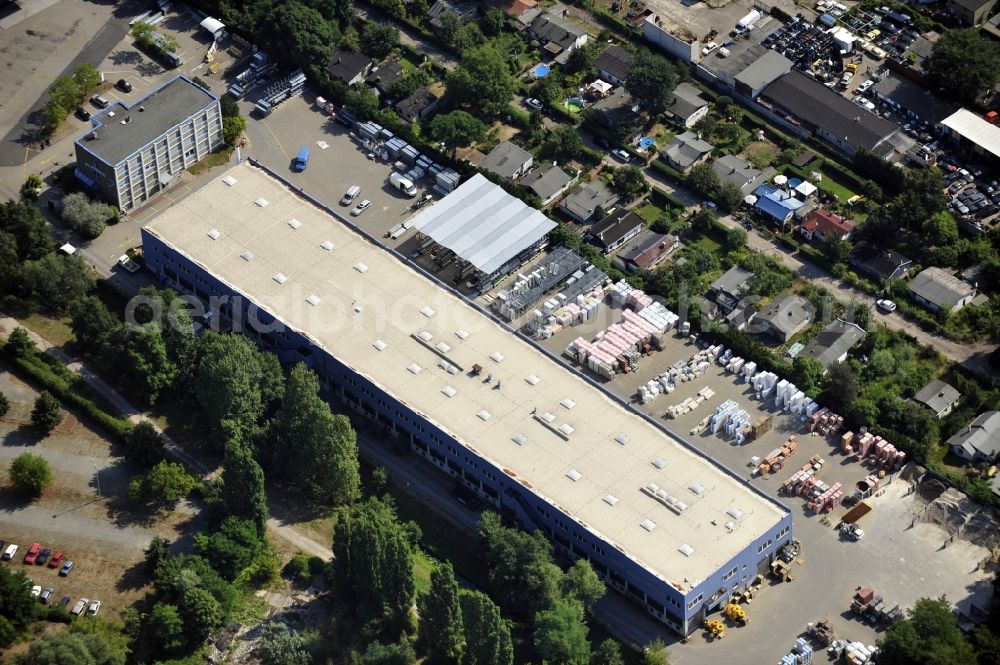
(144, 444)
(487, 634)
(651, 79)
(441, 617)
(807, 373)
(410, 83)
(703, 179)
(309, 444)
(457, 129)
(165, 629)
(608, 652)
(16, 602)
(84, 215)
(629, 183)
(66, 648)
(730, 196)
(46, 413)
(521, 573)
(32, 187)
(29, 229)
(4, 405)
(64, 94)
(10, 268)
(231, 547)
(940, 228)
(228, 106)
(736, 238)
(150, 370)
(373, 561)
(94, 326)
(582, 59)
(298, 35)
(233, 128)
(656, 653)
(379, 39)
(20, 344)
(964, 64)
(388, 654)
(361, 102)
(468, 36)
(842, 389)
(836, 249)
(232, 379)
(928, 635)
(243, 491)
(281, 645)
(447, 26)
(582, 584)
(493, 22)
(202, 615)
(482, 81)
(164, 485)
(87, 77)
(563, 144)
(57, 282)
(561, 634)
(158, 551)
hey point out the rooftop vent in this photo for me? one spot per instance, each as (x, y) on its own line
(414, 368)
(568, 403)
(449, 391)
(427, 311)
(611, 499)
(484, 415)
(379, 344)
(214, 235)
(622, 438)
(294, 223)
(280, 278)
(313, 299)
(532, 379)
(461, 334)
(686, 549)
(262, 202)
(730, 526)
(327, 245)
(648, 525)
(361, 268)
(519, 439)
(497, 356)
(659, 463)
(247, 255)
(229, 180)
(574, 475)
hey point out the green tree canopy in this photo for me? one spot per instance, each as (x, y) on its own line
(29, 229)
(298, 34)
(482, 82)
(58, 282)
(703, 179)
(4, 405)
(231, 547)
(85, 215)
(521, 573)
(608, 652)
(164, 630)
(656, 653)
(150, 368)
(561, 634)
(581, 583)
(94, 326)
(235, 381)
(629, 183)
(379, 39)
(441, 628)
(651, 79)
(16, 602)
(493, 21)
(487, 634)
(964, 64)
(164, 485)
(281, 645)
(928, 636)
(457, 129)
(46, 413)
(20, 344)
(202, 615)
(730, 196)
(144, 444)
(940, 228)
(243, 492)
(563, 144)
(67, 648)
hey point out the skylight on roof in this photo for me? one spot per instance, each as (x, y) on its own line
(648, 525)
(442, 347)
(484, 414)
(566, 429)
(214, 235)
(697, 488)
(280, 277)
(568, 403)
(379, 344)
(262, 202)
(686, 549)
(519, 439)
(425, 335)
(547, 417)
(229, 180)
(313, 299)
(427, 311)
(532, 379)
(414, 368)
(327, 245)
(734, 512)
(659, 463)
(461, 334)
(294, 223)
(247, 255)
(361, 268)
(497, 356)
(622, 438)
(611, 499)
(574, 475)
(449, 391)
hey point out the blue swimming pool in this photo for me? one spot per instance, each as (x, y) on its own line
(541, 71)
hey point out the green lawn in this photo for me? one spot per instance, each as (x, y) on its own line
(650, 212)
(830, 183)
(708, 244)
(56, 331)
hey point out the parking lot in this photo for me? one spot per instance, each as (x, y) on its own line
(923, 564)
(85, 513)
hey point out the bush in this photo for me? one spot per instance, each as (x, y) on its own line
(86, 216)
(19, 344)
(30, 474)
(46, 414)
(4, 405)
(297, 568)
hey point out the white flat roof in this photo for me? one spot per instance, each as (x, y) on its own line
(542, 424)
(969, 125)
(483, 224)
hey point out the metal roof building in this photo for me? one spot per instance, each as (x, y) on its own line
(485, 227)
(543, 444)
(983, 136)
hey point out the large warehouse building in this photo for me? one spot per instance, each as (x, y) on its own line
(543, 444)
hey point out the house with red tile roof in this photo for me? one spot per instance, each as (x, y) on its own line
(822, 224)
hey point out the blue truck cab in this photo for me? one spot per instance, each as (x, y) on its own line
(301, 160)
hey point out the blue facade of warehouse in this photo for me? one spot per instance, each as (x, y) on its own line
(681, 611)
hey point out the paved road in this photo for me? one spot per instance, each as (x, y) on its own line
(76, 526)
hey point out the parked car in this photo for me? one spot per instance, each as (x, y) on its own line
(82, 113)
(95, 607)
(126, 263)
(100, 102)
(32, 553)
(46, 594)
(123, 85)
(43, 556)
(621, 155)
(80, 606)
(64, 601)
(886, 305)
(9, 553)
(361, 207)
(36, 591)
(534, 103)
(56, 560)
(865, 85)
(67, 567)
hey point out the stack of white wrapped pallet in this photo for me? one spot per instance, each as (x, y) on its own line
(618, 293)
(658, 315)
(690, 404)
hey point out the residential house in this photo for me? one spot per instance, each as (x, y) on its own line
(685, 151)
(464, 10)
(833, 342)
(507, 161)
(706, 308)
(775, 203)
(584, 201)
(557, 37)
(728, 289)
(417, 106)
(612, 65)
(548, 183)
(741, 173)
(645, 251)
(741, 316)
(615, 230)
(688, 106)
(939, 397)
(882, 265)
(940, 291)
(979, 441)
(619, 114)
(522, 11)
(971, 12)
(784, 317)
(820, 225)
(348, 67)
(382, 77)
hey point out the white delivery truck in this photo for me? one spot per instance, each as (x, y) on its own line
(402, 184)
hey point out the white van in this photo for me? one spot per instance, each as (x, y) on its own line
(9, 552)
(350, 195)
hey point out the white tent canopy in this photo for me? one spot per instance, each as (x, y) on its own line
(213, 26)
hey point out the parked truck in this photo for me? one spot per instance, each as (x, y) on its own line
(402, 184)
